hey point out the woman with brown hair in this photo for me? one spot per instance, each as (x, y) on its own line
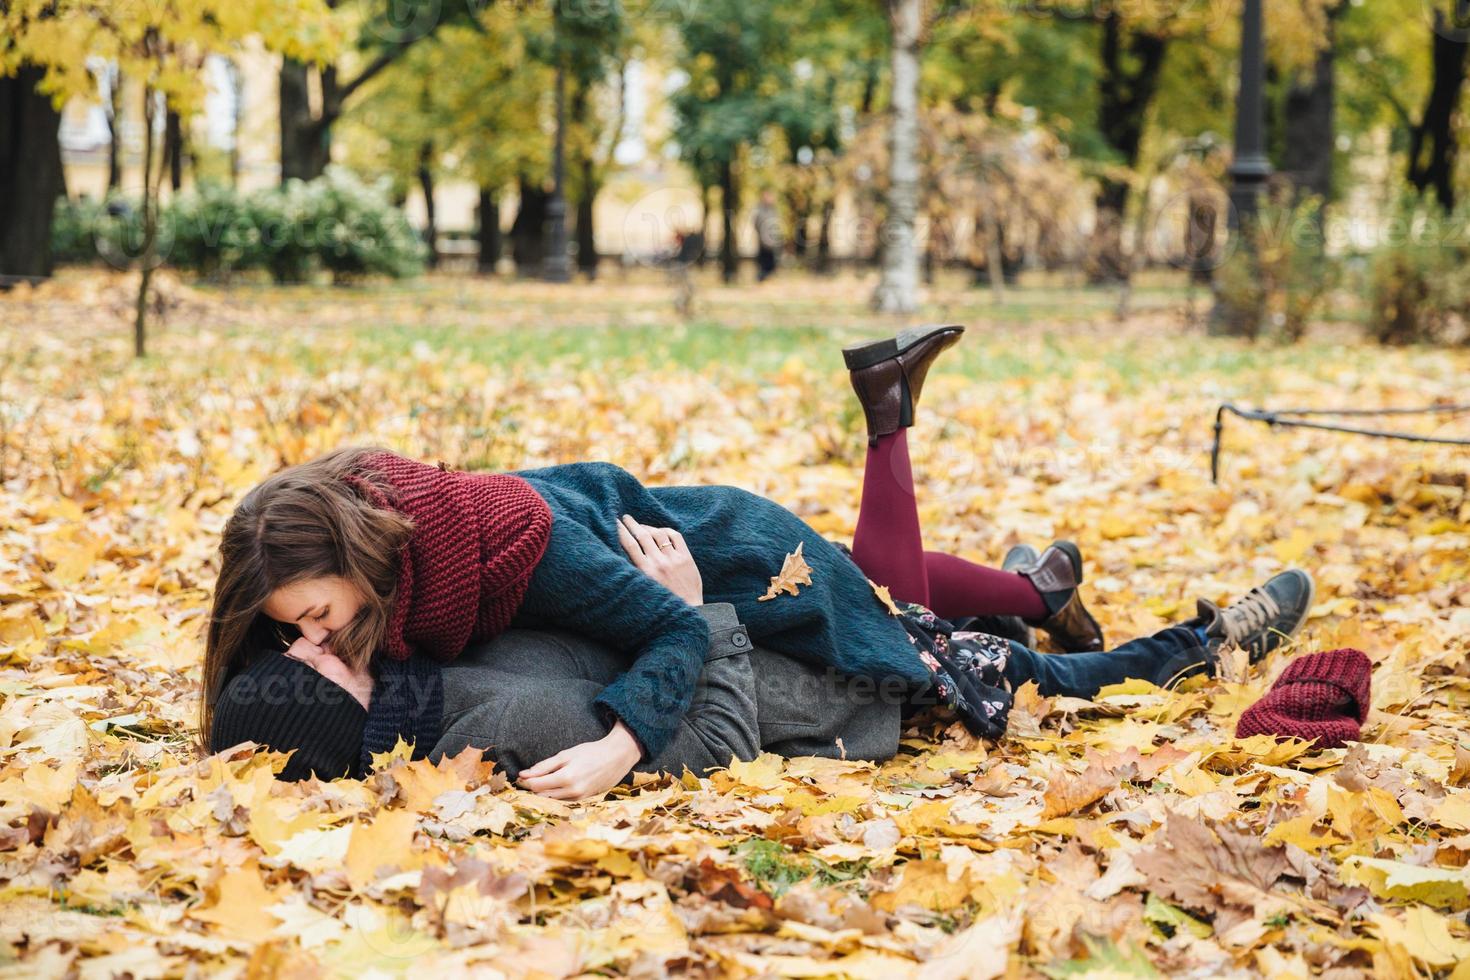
(390, 568)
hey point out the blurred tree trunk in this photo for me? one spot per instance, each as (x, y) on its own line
(489, 230)
(31, 177)
(866, 217)
(586, 235)
(994, 250)
(898, 285)
(114, 128)
(150, 222)
(306, 139)
(1199, 236)
(729, 210)
(306, 136)
(704, 190)
(528, 231)
(1433, 145)
(823, 262)
(173, 149)
(426, 187)
(237, 115)
(594, 169)
(1310, 127)
(991, 263)
(1131, 61)
(583, 232)
(798, 204)
(874, 70)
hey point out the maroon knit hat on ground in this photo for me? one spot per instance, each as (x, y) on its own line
(1322, 696)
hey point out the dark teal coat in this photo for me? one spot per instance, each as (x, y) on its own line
(585, 582)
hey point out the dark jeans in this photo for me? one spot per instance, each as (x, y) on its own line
(1158, 659)
(765, 263)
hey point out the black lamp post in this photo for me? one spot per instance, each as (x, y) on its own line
(555, 267)
(1250, 168)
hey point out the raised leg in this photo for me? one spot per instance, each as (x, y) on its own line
(888, 545)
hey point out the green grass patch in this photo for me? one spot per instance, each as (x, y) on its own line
(775, 867)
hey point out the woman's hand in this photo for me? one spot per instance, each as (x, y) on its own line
(661, 554)
(358, 683)
(589, 769)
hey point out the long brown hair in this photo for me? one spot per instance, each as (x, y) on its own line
(303, 522)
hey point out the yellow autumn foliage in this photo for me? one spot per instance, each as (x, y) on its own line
(1129, 834)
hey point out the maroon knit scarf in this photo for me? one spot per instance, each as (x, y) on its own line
(477, 537)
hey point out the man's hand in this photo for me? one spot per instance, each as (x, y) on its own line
(589, 769)
(661, 554)
(358, 683)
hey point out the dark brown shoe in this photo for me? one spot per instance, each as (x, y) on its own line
(1056, 574)
(888, 375)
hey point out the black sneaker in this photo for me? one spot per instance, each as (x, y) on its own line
(1264, 618)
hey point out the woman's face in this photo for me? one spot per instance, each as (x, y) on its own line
(319, 606)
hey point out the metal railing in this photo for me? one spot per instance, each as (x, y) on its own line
(1300, 418)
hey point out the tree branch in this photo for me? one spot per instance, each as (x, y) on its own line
(382, 61)
(620, 121)
(331, 113)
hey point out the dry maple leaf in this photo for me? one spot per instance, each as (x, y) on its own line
(725, 884)
(1215, 869)
(794, 571)
(1067, 794)
(884, 596)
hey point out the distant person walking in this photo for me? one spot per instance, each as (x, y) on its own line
(767, 236)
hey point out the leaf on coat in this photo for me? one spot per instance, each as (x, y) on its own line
(885, 597)
(794, 571)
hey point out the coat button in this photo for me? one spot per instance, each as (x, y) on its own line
(738, 639)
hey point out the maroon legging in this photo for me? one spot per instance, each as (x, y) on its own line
(889, 547)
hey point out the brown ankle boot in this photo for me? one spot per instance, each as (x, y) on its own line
(888, 375)
(1056, 574)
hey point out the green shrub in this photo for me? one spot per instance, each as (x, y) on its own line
(214, 233)
(1277, 289)
(336, 223)
(109, 230)
(358, 231)
(73, 229)
(282, 220)
(1417, 284)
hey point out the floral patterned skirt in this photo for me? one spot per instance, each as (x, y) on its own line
(969, 680)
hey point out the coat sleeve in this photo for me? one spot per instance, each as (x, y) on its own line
(582, 585)
(407, 702)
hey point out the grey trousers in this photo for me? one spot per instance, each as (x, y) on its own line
(528, 694)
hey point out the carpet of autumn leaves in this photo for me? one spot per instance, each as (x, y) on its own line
(1127, 836)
